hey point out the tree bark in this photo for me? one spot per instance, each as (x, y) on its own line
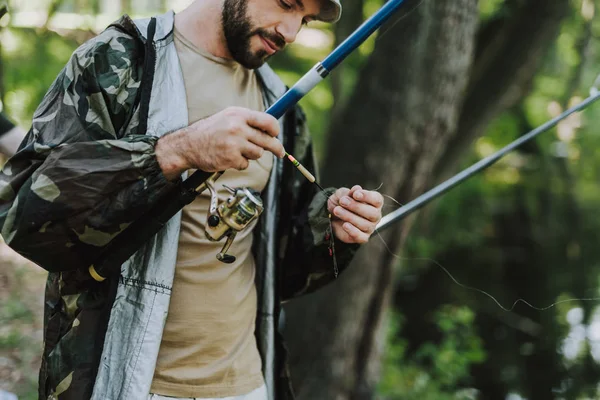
(405, 107)
(509, 53)
(353, 16)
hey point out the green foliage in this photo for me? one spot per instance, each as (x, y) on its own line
(490, 8)
(436, 370)
(20, 326)
(31, 63)
(526, 228)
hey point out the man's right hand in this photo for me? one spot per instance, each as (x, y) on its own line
(228, 139)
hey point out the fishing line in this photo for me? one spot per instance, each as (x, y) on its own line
(329, 237)
(462, 285)
(405, 15)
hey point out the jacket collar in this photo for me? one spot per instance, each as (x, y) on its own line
(164, 26)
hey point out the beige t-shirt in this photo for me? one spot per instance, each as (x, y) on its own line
(208, 347)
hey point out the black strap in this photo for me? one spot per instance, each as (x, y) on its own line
(148, 78)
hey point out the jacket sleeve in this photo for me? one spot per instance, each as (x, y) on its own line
(313, 256)
(83, 173)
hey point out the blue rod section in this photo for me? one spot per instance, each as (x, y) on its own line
(285, 102)
(361, 34)
(293, 96)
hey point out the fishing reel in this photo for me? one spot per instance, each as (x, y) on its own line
(227, 218)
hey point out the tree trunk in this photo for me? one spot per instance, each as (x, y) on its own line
(405, 107)
(353, 17)
(510, 50)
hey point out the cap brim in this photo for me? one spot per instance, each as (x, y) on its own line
(331, 11)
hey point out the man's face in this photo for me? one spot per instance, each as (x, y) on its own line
(257, 29)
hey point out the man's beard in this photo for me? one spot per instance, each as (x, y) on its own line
(238, 31)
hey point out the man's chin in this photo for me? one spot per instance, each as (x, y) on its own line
(255, 61)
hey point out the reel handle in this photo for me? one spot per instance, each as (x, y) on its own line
(222, 256)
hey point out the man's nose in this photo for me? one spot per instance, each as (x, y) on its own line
(289, 29)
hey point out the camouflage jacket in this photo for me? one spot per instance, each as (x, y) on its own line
(87, 169)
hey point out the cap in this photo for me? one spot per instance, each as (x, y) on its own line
(331, 11)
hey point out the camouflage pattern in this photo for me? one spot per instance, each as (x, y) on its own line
(84, 173)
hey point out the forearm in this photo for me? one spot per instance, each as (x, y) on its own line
(81, 196)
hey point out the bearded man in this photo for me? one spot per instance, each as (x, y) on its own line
(133, 112)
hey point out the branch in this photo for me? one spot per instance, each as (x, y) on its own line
(52, 9)
(508, 58)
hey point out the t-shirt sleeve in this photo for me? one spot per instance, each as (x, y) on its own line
(5, 124)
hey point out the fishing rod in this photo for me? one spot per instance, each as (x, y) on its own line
(486, 162)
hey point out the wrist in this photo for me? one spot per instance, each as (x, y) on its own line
(168, 154)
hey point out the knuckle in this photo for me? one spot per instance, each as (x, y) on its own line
(275, 127)
(278, 147)
(256, 153)
(234, 125)
(234, 110)
(243, 164)
(230, 142)
(341, 192)
(370, 229)
(374, 218)
(230, 112)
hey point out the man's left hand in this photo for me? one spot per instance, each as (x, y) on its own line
(355, 213)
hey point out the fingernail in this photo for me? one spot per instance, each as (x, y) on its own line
(347, 227)
(345, 201)
(358, 195)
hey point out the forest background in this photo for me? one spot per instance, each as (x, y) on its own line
(436, 89)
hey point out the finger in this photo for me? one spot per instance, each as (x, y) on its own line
(361, 223)
(252, 151)
(364, 210)
(370, 197)
(334, 199)
(354, 189)
(265, 141)
(355, 234)
(242, 164)
(263, 122)
(341, 192)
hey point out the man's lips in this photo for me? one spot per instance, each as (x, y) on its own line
(270, 47)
